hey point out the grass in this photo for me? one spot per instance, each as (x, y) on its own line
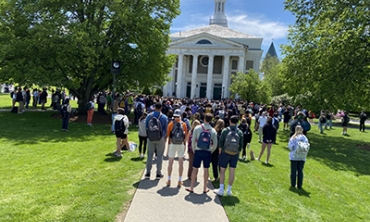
(49, 175)
(335, 186)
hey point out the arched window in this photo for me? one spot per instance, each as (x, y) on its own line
(204, 41)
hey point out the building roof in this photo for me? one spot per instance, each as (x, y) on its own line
(215, 30)
(272, 51)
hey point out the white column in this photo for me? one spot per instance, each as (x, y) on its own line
(241, 64)
(194, 76)
(226, 76)
(210, 76)
(179, 75)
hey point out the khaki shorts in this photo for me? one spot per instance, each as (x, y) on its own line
(176, 148)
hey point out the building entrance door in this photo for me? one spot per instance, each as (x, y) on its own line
(203, 90)
(217, 90)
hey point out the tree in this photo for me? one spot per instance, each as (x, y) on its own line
(71, 43)
(248, 86)
(272, 76)
(328, 53)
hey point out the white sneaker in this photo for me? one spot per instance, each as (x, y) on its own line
(219, 192)
(229, 193)
(258, 159)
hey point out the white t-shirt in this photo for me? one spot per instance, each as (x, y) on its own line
(262, 120)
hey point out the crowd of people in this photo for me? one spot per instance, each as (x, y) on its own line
(215, 133)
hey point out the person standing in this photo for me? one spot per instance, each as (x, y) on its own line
(35, 96)
(156, 124)
(90, 111)
(176, 132)
(190, 148)
(219, 126)
(142, 135)
(269, 136)
(247, 137)
(345, 121)
(20, 100)
(121, 125)
(43, 98)
(66, 111)
(297, 161)
(204, 142)
(231, 143)
(262, 121)
(363, 118)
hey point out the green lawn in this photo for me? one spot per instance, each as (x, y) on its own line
(335, 187)
(50, 175)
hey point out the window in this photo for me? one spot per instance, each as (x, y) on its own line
(249, 65)
(204, 41)
(234, 64)
(204, 60)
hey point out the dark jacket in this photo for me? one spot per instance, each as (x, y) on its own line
(269, 132)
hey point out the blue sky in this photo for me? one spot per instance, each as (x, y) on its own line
(261, 18)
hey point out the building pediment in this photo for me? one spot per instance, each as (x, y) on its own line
(205, 40)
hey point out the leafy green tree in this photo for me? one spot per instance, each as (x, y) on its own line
(71, 43)
(146, 91)
(272, 76)
(249, 87)
(328, 53)
(283, 99)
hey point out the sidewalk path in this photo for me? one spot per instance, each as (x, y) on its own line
(154, 201)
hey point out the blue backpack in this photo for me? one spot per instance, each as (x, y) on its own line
(204, 140)
(306, 126)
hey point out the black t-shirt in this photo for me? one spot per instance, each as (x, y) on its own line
(19, 97)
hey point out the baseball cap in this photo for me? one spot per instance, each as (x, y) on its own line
(177, 113)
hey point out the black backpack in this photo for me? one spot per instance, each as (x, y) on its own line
(177, 133)
(155, 128)
(139, 108)
(119, 125)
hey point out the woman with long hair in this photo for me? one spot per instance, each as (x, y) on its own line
(142, 135)
(269, 136)
(296, 161)
(219, 126)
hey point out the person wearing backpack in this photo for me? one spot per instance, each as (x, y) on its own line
(204, 142)
(345, 121)
(139, 109)
(296, 157)
(322, 122)
(121, 125)
(156, 124)
(269, 136)
(231, 143)
(189, 139)
(176, 133)
(65, 112)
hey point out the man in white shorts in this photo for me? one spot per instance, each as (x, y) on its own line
(176, 132)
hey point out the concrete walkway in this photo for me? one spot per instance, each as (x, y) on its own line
(154, 201)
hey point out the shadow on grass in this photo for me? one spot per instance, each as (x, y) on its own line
(40, 127)
(300, 192)
(338, 153)
(137, 159)
(229, 200)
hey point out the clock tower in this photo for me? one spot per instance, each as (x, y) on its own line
(219, 17)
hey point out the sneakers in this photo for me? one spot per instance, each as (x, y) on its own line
(219, 192)
(168, 183)
(266, 162)
(118, 155)
(147, 176)
(229, 193)
(159, 176)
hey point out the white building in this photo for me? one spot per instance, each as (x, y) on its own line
(208, 56)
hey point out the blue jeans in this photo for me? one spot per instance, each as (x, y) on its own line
(321, 125)
(296, 168)
(329, 123)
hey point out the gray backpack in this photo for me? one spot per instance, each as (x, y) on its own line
(177, 133)
(232, 142)
(155, 128)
